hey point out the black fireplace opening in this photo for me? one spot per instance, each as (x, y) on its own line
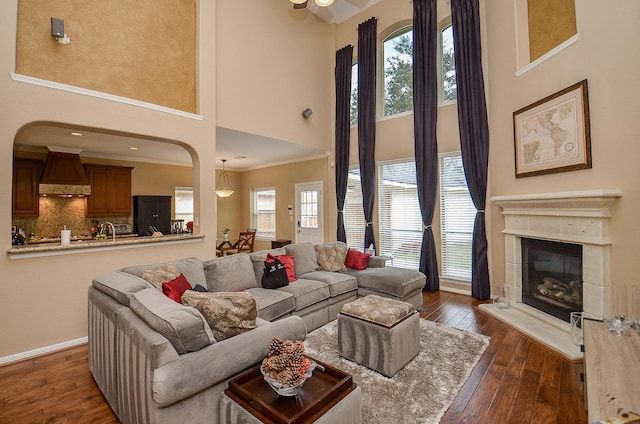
(552, 277)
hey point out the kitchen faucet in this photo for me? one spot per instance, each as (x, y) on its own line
(113, 229)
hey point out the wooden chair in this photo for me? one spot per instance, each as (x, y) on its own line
(244, 244)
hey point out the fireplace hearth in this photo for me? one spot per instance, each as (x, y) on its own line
(552, 277)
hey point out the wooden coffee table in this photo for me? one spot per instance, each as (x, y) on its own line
(321, 392)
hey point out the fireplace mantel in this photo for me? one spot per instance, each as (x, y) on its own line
(580, 217)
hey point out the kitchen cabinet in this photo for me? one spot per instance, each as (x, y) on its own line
(110, 190)
(25, 200)
(151, 211)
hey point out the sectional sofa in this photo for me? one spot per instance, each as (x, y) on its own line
(157, 361)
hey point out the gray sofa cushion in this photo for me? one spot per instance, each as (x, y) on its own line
(120, 285)
(257, 260)
(229, 273)
(191, 268)
(338, 282)
(272, 304)
(398, 282)
(304, 257)
(184, 327)
(306, 292)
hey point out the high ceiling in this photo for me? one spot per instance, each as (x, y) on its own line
(239, 148)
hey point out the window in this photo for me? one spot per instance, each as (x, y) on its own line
(400, 218)
(457, 215)
(184, 203)
(353, 108)
(353, 214)
(398, 72)
(309, 209)
(263, 207)
(447, 73)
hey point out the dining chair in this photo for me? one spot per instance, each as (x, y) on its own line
(244, 244)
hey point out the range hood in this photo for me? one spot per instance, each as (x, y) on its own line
(64, 176)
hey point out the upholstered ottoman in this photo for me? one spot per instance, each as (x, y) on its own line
(380, 333)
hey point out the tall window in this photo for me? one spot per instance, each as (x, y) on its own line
(309, 209)
(457, 215)
(398, 72)
(354, 221)
(263, 211)
(184, 203)
(400, 223)
(447, 74)
(353, 109)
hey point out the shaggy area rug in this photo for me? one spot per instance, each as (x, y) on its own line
(424, 389)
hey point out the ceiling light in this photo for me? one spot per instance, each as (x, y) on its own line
(226, 190)
(298, 1)
(323, 3)
(77, 134)
(133, 148)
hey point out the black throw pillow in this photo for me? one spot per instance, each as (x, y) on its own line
(275, 274)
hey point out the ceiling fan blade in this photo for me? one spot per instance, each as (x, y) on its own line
(300, 5)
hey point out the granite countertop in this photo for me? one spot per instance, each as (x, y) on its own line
(79, 245)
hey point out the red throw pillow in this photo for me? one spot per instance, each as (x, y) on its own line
(287, 261)
(356, 259)
(175, 288)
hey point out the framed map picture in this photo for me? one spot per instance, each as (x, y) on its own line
(552, 134)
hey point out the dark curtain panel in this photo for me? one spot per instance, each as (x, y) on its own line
(474, 129)
(367, 37)
(425, 105)
(344, 63)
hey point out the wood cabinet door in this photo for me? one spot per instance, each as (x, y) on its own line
(25, 201)
(121, 183)
(99, 202)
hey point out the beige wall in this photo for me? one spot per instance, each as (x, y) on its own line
(274, 62)
(144, 50)
(52, 290)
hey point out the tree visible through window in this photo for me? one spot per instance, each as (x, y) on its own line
(398, 72)
(448, 75)
(263, 205)
(353, 110)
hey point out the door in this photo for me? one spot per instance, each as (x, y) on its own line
(309, 217)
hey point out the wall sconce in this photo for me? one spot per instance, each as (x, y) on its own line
(57, 31)
(226, 190)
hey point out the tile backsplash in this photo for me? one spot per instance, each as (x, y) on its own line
(56, 212)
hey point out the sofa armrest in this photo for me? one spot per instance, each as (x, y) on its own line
(378, 261)
(196, 371)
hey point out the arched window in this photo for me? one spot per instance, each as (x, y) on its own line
(397, 50)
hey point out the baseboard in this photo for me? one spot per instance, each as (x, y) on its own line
(42, 351)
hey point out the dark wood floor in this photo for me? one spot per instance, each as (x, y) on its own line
(516, 381)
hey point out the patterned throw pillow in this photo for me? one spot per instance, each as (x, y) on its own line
(331, 256)
(356, 259)
(161, 275)
(227, 313)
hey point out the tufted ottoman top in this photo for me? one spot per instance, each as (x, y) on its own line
(379, 310)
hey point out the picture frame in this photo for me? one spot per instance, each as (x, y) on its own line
(553, 134)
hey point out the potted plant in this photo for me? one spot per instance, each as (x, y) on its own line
(225, 233)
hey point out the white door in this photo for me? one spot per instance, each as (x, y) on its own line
(309, 213)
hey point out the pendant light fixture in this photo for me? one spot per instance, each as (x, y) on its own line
(225, 190)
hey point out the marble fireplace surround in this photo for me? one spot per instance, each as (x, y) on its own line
(578, 217)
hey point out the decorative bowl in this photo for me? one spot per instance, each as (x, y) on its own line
(285, 390)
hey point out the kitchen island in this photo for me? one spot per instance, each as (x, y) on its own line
(82, 246)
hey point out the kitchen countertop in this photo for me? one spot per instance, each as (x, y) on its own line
(52, 248)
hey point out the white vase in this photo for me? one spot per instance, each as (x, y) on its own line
(225, 236)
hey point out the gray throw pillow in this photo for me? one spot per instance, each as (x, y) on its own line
(184, 327)
(230, 273)
(304, 257)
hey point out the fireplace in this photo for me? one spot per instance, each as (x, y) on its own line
(552, 276)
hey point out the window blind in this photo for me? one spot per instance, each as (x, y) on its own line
(354, 222)
(400, 220)
(457, 215)
(264, 213)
